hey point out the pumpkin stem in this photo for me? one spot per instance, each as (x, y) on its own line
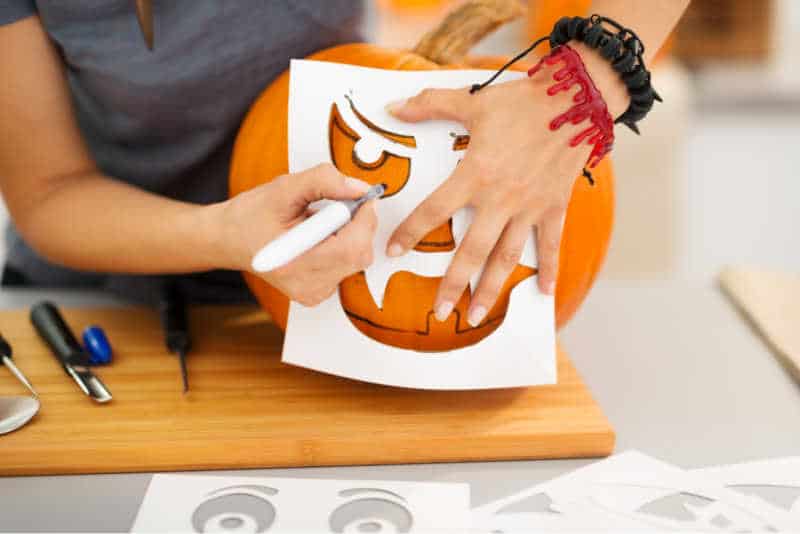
(462, 29)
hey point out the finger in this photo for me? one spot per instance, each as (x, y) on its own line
(303, 280)
(434, 211)
(360, 231)
(320, 270)
(548, 242)
(323, 182)
(338, 256)
(469, 259)
(446, 104)
(315, 296)
(351, 249)
(501, 264)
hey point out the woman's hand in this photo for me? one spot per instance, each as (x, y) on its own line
(517, 175)
(252, 219)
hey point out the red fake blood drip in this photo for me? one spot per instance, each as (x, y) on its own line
(589, 102)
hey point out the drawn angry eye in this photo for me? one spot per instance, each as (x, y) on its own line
(371, 510)
(389, 168)
(236, 509)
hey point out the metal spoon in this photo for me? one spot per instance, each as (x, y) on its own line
(16, 411)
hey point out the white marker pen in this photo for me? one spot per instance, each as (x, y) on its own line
(311, 232)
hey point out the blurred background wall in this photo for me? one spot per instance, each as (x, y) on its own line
(712, 181)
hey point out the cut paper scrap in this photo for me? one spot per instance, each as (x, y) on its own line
(582, 515)
(776, 481)
(189, 503)
(520, 352)
(771, 300)
(656, 493)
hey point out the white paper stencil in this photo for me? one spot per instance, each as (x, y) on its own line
(776, 481)
(189, 503)
(521, 352)
(582, 515)
(655, 493)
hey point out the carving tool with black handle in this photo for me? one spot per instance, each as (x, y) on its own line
(175, 326)
(50, 325)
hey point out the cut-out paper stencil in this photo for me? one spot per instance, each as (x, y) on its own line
(337, 115)
(582, 515)
(776, 481)
(189, 503)
(657, 494)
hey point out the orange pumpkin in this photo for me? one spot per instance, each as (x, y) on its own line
(405, 318)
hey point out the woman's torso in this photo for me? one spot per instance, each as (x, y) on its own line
(165, 120)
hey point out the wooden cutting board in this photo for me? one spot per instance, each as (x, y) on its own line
(771, 300)
(246, 409)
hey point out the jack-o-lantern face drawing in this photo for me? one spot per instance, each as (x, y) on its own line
(402, 314)
(262, 153)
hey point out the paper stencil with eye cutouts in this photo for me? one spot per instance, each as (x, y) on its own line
(189, 503)
(380, 326)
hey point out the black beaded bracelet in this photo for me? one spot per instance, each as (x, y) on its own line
(623, 49)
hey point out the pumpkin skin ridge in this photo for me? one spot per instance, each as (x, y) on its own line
(587, 225)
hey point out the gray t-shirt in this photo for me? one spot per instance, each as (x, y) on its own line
(165, 120)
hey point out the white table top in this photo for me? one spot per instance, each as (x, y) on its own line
(681, 376)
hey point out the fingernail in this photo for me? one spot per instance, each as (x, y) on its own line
(394, 250)
(394, 107)
(476, 315)
(443, 311)
(551, 288)
(357, 185)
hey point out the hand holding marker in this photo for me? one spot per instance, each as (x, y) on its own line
(311, 232)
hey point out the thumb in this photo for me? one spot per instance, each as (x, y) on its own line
(430, 104)
(326, 182)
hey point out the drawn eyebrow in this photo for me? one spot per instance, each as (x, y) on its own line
(359, 491)
(264, 490)
(407, 140)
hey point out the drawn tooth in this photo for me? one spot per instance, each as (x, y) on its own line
(430, 264)
(529, 252)
(473, 282)
(377, 278)
(461, 220)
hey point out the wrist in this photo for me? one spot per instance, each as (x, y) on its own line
(607, 80)
(205, 227)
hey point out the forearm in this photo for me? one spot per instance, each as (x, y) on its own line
(652, 21)
(62, 205)
(91, 222)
